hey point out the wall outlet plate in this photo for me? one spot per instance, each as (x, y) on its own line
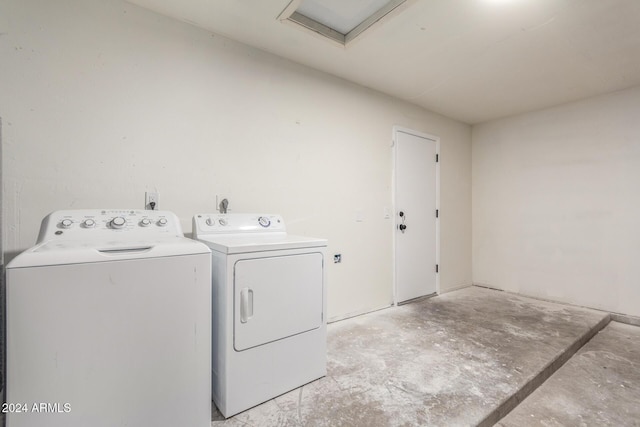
(151, 200)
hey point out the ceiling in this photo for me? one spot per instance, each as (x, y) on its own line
(471, 60)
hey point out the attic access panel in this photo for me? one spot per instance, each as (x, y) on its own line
(338, 20)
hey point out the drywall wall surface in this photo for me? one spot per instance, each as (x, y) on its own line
(455, 210)
(556, 202)
(2, 287)
(102, 101)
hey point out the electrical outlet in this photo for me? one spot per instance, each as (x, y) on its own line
(222, 204)
(151, 200)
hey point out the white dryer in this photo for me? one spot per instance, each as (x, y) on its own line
(109, 323)
(269, 308)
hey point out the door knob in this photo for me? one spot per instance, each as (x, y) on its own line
(402, 227)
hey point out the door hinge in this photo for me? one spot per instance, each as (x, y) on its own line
(437, 213)
(437, 268)
(437, 158)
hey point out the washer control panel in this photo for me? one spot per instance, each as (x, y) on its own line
(237, 223)
(106, 223)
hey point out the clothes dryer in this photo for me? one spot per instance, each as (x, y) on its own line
(269, 308)
(109, 323)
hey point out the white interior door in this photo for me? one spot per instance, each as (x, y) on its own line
(416, 217)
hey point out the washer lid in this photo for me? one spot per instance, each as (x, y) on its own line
(80, 252)
(259, 242)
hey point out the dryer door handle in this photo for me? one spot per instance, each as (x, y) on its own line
(246, 305)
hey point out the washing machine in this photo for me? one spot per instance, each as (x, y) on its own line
(109, 323)
(269, 308)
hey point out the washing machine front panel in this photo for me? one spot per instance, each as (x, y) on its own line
(276, 297)
(109, 345)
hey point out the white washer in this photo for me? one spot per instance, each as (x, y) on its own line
(269, 308)
(109, 323)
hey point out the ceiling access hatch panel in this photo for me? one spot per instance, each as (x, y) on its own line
(340, 21)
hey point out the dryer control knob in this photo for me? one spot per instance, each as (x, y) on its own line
(66, 223)
(89, 223)
(118, 222)
(222, 221)
(264, 221)
(145, 222)
(162, 222)
(209, 221)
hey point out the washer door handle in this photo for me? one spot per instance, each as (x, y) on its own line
(246, 305)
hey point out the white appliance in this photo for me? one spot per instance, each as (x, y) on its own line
(109, 323)
(269, 308)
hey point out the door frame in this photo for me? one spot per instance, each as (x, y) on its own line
(394, 146)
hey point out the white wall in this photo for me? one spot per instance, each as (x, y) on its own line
(102, 100)
(556, 203)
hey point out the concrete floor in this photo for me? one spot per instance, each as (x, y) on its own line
(599, 386)
(464, 358)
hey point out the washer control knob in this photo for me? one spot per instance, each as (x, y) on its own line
(145, 222)
(209, 221)
(89, 223)
(264, 221)
(222, 221)
(162, 222)
(118, 222)
(66, 223)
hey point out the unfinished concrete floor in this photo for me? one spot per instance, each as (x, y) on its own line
(463, 358)
(599, 386)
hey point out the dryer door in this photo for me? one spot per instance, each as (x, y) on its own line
(276, 297)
